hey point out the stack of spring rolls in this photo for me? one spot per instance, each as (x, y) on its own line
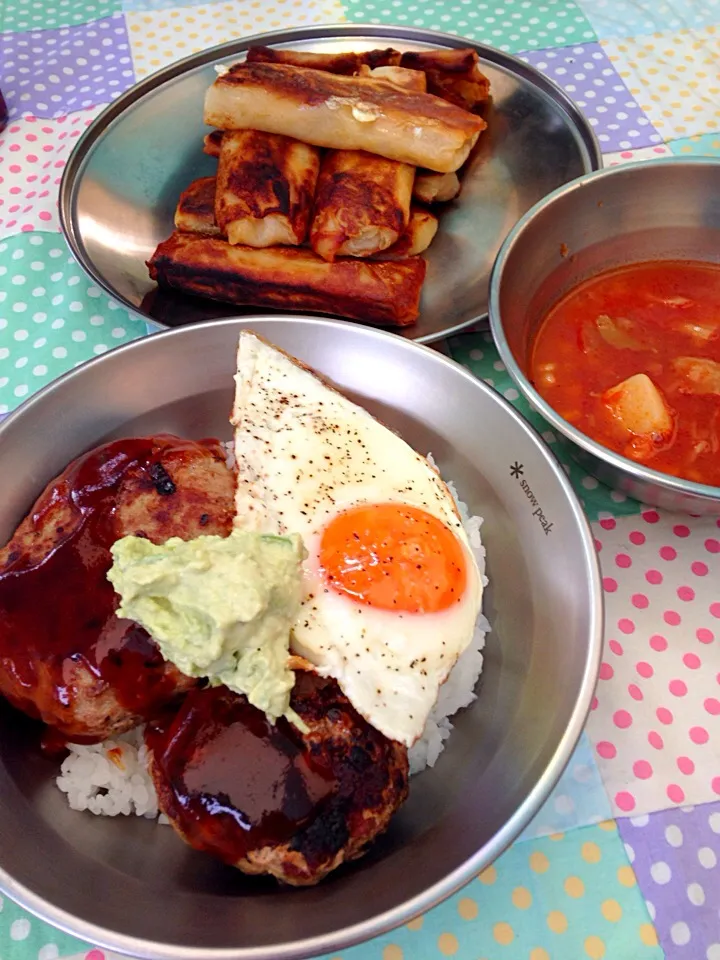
(327, 167)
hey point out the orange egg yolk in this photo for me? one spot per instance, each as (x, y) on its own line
(393, 557)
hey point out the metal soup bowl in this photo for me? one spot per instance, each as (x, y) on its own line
(667, 209)
(132, 885)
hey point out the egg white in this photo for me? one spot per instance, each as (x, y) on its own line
(304, 454)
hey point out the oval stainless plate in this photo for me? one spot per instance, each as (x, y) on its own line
(123, 180)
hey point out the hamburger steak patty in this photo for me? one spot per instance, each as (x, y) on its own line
(268, 799)
(64, 655)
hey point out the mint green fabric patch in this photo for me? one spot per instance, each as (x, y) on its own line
(51, 316)
(511, 25)
(23, 936)
(705, 145)
(49, 14)
(478, 353)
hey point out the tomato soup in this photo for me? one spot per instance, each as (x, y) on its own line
(631, 358)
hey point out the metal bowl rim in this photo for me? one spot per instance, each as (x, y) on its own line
(382, 923)
(674, 484)
(73, 171)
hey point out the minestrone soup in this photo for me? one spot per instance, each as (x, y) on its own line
(632, 358)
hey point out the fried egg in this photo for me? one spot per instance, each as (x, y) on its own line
(391, 590)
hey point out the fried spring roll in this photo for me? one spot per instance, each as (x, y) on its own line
(211, 143)
(414, 80)
(195, 211)
(362, 204)
(343, 113)
(416, 237)
(436, 187)
(265, 188)
(346, 64)
(289, 278)
(454, 75)
(196, 214)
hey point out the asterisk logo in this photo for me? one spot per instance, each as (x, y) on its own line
(516, 470)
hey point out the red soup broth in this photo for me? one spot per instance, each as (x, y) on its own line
(660, 320)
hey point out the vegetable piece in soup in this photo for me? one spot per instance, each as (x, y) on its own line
(641, 414)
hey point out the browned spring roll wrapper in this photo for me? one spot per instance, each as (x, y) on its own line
(290, 278)
(265, 188)
(454, 75)
(196, 214)
(415, 238)
(211, 143)
(400, 77)
(342, 63)
(195, 211)
(343, 113)
(436, 187)
(362, 204)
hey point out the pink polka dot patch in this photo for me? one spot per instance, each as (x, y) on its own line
(656, 718)
(33, 153)
(618, 157)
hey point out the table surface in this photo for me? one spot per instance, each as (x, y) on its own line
(622, 862)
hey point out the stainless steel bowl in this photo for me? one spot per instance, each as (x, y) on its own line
(667, 209)
(133, 886)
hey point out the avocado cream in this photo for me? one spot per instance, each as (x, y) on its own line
(218, 607)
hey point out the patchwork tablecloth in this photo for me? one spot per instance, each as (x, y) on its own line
(622, 862)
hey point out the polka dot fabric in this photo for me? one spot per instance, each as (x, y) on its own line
(591, 80)
(146, 5)
(511, 25)
(48, 73)
(32, 156)
(479, 354)
(655, 722)
(676, 857)
(632, 156)
(674, 77)
(24, 937)
(706, 145)
(646, 75)
(51, 316)
(627, 18)
(49, 14)
(566, 897)
(158, 37)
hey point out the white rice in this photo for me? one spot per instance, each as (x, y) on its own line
(112, 778)
(109, 778)
(459, 689)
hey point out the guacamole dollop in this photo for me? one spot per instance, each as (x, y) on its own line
(218, 607)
